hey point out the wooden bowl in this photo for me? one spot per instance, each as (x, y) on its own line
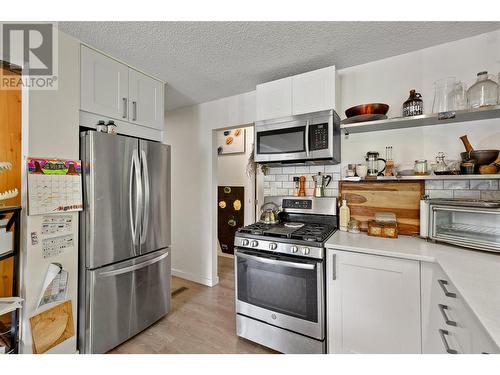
(367, 109)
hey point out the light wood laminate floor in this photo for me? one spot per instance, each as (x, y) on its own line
(202, 320)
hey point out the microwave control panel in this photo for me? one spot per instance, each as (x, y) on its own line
(318, 137)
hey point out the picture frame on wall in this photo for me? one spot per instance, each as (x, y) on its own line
(231, 141)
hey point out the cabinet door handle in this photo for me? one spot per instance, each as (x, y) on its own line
(134, 111)
(443, 333)
(442, 284)
(442, 308)
(125, 109)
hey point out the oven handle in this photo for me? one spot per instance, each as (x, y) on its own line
(304, 266)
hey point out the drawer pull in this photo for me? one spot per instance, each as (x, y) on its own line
(442, 284)
(443, 333)
(442, 308)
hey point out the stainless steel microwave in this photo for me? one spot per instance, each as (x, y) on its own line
(304, 139)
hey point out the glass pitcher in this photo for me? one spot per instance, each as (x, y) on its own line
(443, 95)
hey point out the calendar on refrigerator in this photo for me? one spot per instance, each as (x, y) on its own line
(54, 185)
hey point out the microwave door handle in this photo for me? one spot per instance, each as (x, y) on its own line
(304, 266)
(307, 138)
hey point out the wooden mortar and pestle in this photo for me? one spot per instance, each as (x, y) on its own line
(487, 161)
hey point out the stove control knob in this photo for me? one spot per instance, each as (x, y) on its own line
(273, 246)
(255, 243)
(245, 242)
(306, 250)
(294, 249)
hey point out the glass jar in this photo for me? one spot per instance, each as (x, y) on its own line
(420, 167)
(443, 98)
(483, 93)
(414, 105)
(296, 186)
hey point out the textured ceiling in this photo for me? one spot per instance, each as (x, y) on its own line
(202, 61)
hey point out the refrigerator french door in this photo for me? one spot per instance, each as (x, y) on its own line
(124, 280)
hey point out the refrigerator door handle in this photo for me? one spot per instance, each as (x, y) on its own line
(135, 176)
(145, 220)
(134, 267)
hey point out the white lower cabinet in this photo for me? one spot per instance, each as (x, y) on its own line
(448, 324)
(373, 304)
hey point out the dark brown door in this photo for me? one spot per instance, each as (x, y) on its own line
(230, 215)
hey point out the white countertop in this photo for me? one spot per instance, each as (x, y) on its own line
(475, 274)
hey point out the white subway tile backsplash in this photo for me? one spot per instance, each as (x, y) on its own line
(441, 193)
(270, 177)
(467, 194)
(266, 184)
(288, 170)
(310, 192)
(315, 169)
(456, 184)
(288, 185)
(490, 194)
(275, 170)
(301, 170)
(267, 192)
(434, 184)
(283, 192)
(484, 184)
(281, 177)
(275, 185)
(291, 192)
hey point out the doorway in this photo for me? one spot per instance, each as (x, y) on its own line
(236, 186)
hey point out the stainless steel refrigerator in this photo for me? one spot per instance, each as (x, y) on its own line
(125, 269)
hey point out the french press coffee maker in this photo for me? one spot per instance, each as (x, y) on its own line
(372, 159)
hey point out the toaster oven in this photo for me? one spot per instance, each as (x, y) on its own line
(467, 223)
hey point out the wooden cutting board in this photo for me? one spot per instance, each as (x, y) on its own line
(400, 197)
(52, 327)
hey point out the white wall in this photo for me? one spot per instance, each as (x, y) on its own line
(50, 122)
(190, 131)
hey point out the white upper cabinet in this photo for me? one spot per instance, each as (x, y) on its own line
(303, 93)
(146, 100)
(104, 85)
(274, 99)
(114, 90)
(373, 304)
(313, 91)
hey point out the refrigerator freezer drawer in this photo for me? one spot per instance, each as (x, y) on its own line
(126, 298)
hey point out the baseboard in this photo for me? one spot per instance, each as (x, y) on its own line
(195, 278)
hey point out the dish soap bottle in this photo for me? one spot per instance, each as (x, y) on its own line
(345, 215)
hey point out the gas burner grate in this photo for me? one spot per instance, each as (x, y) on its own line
(313, 232)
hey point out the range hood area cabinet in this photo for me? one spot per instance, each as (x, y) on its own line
(303, 93)
(115, 90)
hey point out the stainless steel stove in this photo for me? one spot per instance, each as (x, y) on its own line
(280, 276)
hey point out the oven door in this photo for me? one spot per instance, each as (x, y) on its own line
(283, 291)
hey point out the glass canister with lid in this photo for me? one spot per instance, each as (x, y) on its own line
(483, 93)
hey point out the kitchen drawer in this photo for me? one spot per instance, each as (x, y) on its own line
(443, 308)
